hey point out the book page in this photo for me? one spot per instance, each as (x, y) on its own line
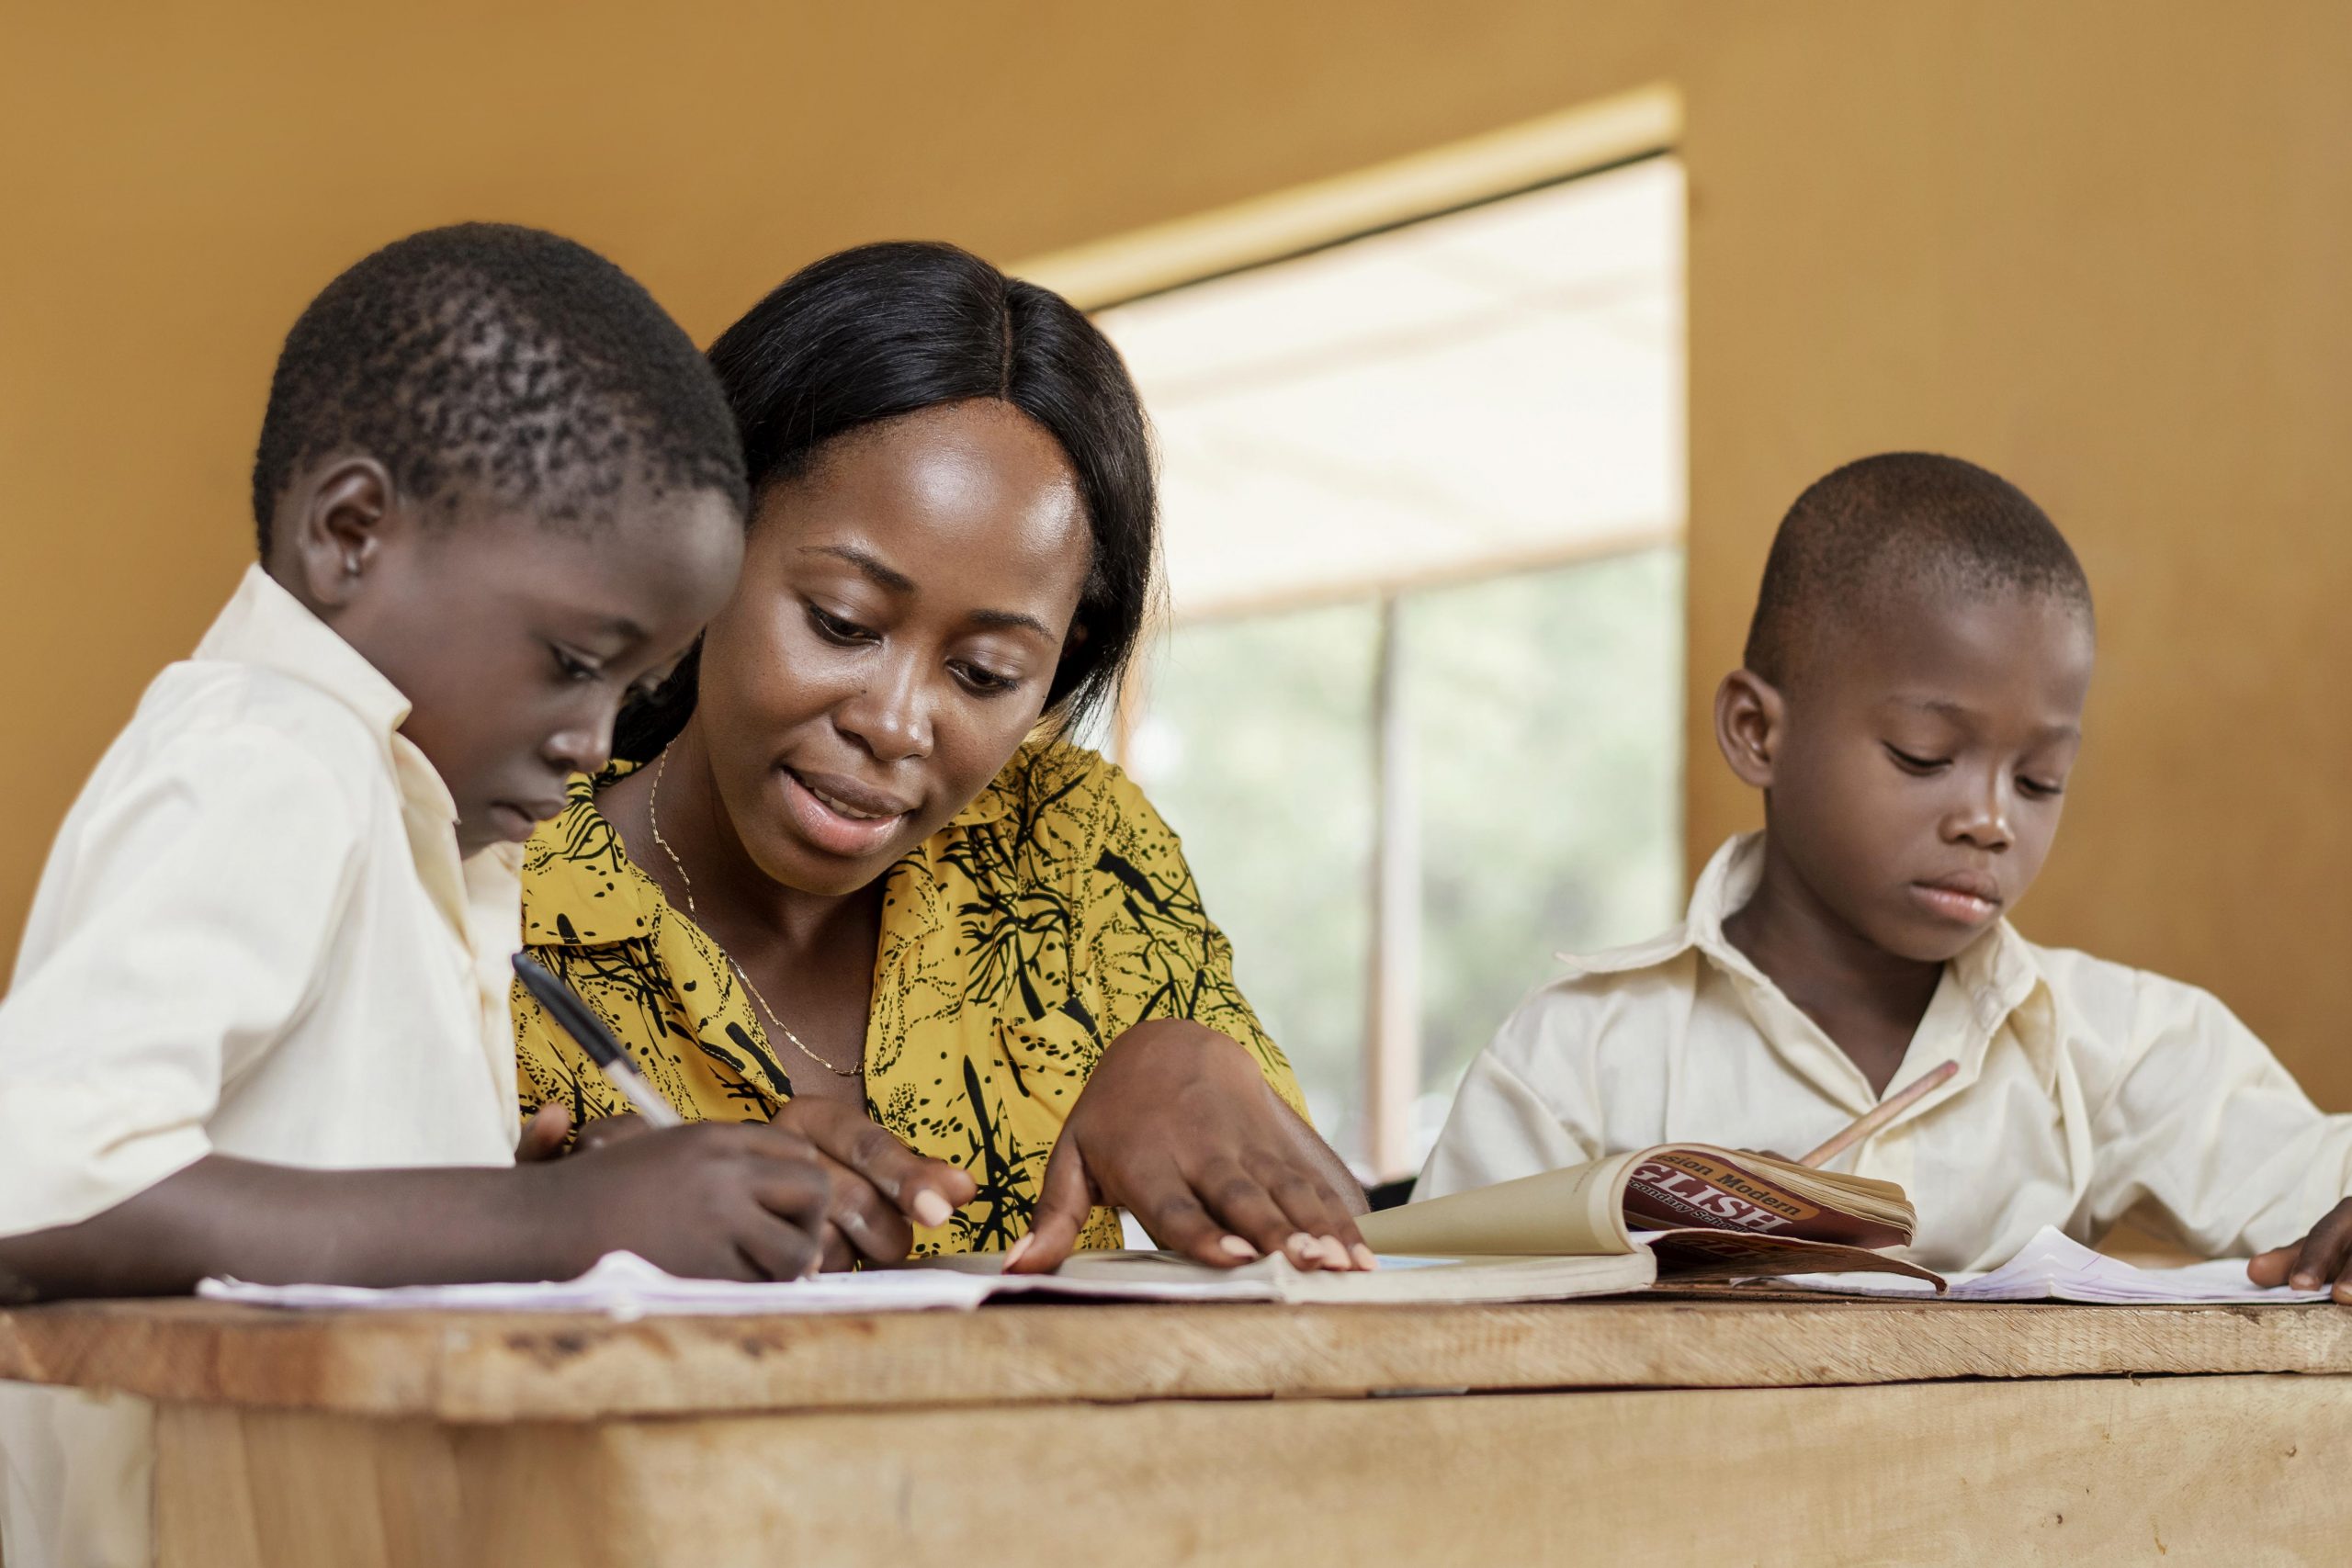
(1573, 1211)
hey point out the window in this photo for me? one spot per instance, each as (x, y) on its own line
(1419, 714)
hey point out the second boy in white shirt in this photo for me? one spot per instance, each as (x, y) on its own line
(1911, 707)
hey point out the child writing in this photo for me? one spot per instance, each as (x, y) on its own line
(1910, 706)
(497, 490)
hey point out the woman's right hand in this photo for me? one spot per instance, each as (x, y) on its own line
(878, 1188)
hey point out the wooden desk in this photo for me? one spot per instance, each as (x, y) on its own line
(1598, 1431)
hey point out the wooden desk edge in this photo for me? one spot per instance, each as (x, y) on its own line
(493, 1367)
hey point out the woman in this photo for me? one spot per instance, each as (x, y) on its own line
(857, 878)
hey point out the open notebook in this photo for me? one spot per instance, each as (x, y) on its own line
(2051, 1267)
(625, 1286)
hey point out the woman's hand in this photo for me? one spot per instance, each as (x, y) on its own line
(879, 1185)
(1177, 1126)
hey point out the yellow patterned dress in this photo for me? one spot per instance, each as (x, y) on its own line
(1046, 918)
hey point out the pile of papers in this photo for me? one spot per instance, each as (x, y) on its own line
(2051, 1267)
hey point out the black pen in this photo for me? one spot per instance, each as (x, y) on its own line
(581, 1023)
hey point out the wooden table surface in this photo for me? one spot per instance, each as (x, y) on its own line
(475, 1367)
(1616, 1430)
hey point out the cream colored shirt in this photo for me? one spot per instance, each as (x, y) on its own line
(2084, 1088)
(253, 937)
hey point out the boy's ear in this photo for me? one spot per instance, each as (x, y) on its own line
(1749, 712)
(340, 523)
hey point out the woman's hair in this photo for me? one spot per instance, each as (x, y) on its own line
(887, 330)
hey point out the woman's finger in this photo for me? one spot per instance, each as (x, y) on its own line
(795, 1191)
(866, 1220)
(778, 1248)
(835, 1253)
(1064, 1196)
(1238, 1202)
(1163, 1200)
(925, 1190)
(1315, 1209)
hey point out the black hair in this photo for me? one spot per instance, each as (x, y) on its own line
(888, 330)
(1910, 515)
(489, 357)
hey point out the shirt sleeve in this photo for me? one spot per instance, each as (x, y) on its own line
(181, 925)
(2207, 1125)
(1503, 1126)
(1150, 950)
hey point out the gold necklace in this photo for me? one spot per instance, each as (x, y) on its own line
(653, 819)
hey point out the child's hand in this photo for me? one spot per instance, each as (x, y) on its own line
(543, 1135)
(709, 1201)
(1177, 1126)
(879, 1184)
(2322, 1256)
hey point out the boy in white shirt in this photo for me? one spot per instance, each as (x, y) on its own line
(497, 490)
(1910, 704)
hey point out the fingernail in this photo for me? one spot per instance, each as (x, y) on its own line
(1234, 1246)
(1365, 1257)
(1334, 1256)
(1012, 1254)
(931, 1209)
(1302, 1248)
(2307, 1281)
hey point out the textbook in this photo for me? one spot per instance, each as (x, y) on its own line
(1705, 1212)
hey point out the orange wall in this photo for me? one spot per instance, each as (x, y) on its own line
(172, 192)
(2106, 249)
(2101, 247)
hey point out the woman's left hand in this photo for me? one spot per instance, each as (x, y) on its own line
(1177, 1126)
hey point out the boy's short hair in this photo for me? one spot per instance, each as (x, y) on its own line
(505, 360)
(1908, 515)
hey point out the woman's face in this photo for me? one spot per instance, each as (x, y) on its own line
(901, 611)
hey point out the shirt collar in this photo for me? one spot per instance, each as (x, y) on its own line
(265, 625)
(1997, 972)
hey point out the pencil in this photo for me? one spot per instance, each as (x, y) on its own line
(565, 1007)
(1885, 1111)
